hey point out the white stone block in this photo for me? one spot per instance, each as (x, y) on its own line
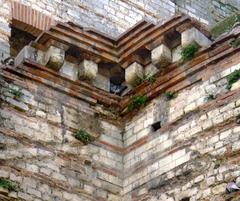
(150, 70)
(161, 56)
(88, 70)
(69, 70)
(30, 53)
(54, 58)
(133, 73)
(176, 54)
(102, 82)
(193, 35)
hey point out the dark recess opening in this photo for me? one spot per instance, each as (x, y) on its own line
(156, 126)
(18, 40)
(185, 199)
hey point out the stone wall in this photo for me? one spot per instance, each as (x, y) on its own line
(113, 17)
(194, 154)
(40, 153)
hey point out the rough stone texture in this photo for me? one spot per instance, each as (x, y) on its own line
(161, 56)
(133, 73)
(194, 36)
(102, 82)
(70, 70)
(150, 70)
(88, 70)
(54, 58)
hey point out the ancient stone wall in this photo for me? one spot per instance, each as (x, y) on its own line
(113, 17)
(40, 154)
(193, 155)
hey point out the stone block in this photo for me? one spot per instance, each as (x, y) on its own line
(102, 82)
(69, 70)
(27, 52)
(54, 58)
(133, 73)
(176, 54)
(161, 56)
(150, 70)
(88, 70)
(194, 36)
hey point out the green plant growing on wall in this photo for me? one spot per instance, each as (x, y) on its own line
(225, 25)
(83, 136)
(210, 97)
(151, 78)
(232, 78)
(8, 185)
(136, 102)
(189, 51)
(235, 43)
(170, 95)
(17, 93)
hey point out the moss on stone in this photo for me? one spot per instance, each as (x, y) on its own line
(225, 25)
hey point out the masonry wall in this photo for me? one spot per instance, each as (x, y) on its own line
(194, 155)
(113, 17)
(40, 153)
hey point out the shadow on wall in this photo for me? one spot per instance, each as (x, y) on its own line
(4, 50)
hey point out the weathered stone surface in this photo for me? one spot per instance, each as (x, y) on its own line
(176, 54)
(161, 56)
(194, 35)
(30, 53)
(102, 82)
(70, 70)
(150, 70)
(88, 70)
(54, 58)
(133, 73)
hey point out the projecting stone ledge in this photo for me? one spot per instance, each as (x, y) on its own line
(88, 70)
(193, 35)
(161, 56)
(54, 57)
(133, 73)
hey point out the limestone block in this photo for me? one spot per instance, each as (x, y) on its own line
(235, 85)
(133, 73)
(161, 56)
(193, 35)
(27, 52)
(54, 58)
(102, 82)
(150, 70)
(69, 70)
(88, 70)
(176, 54)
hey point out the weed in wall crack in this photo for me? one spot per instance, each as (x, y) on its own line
(8, 185)
(136, 102)
(83, 136)
(189, 51)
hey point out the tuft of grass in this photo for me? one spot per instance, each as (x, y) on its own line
(151, 78)
(232, 78)
(189, 51)
(235, 43)
(136, 102)
(6, 184)
(170, 95)
(17, 93)
(210, 97)
(83, 136)
(225, 25)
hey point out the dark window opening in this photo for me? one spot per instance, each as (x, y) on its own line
(18, 40)
(156, 126)
(185, 199)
